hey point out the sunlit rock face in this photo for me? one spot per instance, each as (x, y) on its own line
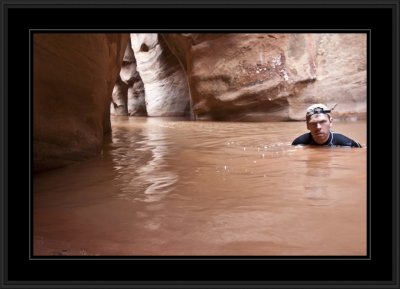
(73, 79)
(165, 84)
(341, 76)
(272, 77)
(128, 69)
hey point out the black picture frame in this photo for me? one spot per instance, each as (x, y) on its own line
(379, 270)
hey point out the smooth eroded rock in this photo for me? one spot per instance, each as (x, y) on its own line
(165, 84)
(73, 79)
(272, 76)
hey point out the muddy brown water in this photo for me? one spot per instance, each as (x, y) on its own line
(171, 187)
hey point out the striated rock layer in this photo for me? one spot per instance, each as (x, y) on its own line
(165, 85)
(73, 79)
(272, 77)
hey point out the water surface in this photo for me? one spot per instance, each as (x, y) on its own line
(166, 186)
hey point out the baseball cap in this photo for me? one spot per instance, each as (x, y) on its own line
(318, 108)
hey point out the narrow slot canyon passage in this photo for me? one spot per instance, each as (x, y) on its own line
(179, 154)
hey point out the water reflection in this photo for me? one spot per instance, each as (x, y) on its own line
(152, 180)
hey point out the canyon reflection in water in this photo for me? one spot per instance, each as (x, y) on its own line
(169, 187)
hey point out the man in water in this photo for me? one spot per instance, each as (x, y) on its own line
(319, 124)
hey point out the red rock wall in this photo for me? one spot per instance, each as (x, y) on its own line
(272, 77)
(73, 78)
(230, 76)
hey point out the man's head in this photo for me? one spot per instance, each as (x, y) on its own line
(319, 122)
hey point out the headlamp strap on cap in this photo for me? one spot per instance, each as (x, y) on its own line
(321, 110)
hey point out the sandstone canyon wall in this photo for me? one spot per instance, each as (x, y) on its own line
(165, 85)
(272, 77)
(229, 76)
(73, 79)
(128, 93)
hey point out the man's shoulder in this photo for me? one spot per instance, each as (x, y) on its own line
(303, 139)
(342, 140)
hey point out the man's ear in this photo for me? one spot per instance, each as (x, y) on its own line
(330, 120)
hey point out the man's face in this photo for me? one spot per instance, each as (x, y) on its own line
(319, 125)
